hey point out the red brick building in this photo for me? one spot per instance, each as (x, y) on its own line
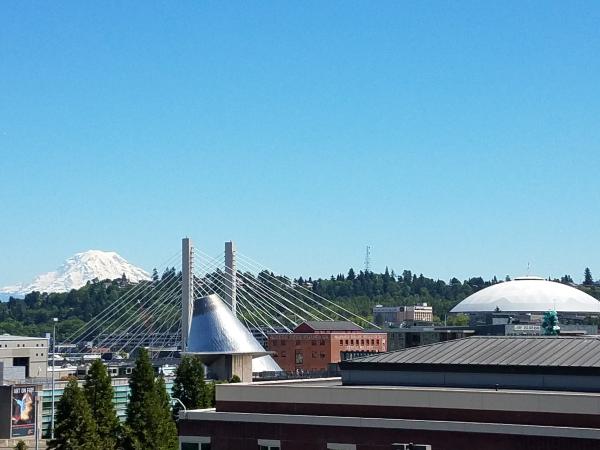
(314, 345)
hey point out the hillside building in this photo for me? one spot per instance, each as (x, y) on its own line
(396, 315)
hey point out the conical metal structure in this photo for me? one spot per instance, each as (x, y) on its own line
(215, 332)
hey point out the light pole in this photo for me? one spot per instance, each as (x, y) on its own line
(181, 403)
(36, 397)
(53, 374)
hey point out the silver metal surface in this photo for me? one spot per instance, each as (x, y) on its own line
(216, 331)
(265, 364)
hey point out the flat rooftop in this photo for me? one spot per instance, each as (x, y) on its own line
(10, 337)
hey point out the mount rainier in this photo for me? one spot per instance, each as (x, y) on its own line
(77, 271)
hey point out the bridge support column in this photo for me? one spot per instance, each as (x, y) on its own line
(187, 290)
(230, 276)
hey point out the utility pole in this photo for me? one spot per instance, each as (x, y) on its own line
(54, 320)
(187, 290)
(38, 424)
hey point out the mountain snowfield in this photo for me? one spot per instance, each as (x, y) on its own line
(78, 270)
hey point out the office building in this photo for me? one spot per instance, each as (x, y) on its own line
(314, 346)
(396, 315)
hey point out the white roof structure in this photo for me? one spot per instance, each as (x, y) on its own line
(529, 294)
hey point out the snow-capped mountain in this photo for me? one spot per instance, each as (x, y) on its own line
(77, 271)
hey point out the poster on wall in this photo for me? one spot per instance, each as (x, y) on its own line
(23, 411)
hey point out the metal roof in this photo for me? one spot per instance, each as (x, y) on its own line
(529, 294)
(332, 325)
(531, 351)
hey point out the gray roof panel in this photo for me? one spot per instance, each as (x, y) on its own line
(540, 351)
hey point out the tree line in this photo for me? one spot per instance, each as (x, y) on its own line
(357, 292)
(32, 315)
(86, 417)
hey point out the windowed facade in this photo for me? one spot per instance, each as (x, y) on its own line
(269, 444)
(194, 443)
(298, 351)
(334, 446)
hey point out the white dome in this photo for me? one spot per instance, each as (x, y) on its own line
(529, 294)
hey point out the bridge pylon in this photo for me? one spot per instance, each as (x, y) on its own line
(187, 290)
(231, 276)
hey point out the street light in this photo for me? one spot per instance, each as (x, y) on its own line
(36, 401)
(55, 319)
(181, 403)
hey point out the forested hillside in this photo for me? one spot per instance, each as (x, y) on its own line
(357, 292)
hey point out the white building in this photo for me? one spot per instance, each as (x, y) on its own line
(398, 314)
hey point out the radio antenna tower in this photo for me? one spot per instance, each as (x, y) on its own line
(368, 259)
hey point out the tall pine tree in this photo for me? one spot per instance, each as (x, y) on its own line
(165, 429)
(189, 385)
(99, 394)
(149, 421)
(588, 280)
(75, 427)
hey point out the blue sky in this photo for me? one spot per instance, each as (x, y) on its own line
(455, 138)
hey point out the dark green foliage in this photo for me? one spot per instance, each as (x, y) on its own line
(587, 277)
(355, 292)
(149, 421)
(33, 315)
(165, 428)
(99, 393)
(235, 379)
(189, 385)
(75, 427)
(458, 320)
(21, 446)
(566, 279)
(211, 391)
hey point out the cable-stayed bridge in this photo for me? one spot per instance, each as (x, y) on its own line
(157, 313)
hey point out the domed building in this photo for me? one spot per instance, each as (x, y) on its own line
(529, 295)
(517, 308)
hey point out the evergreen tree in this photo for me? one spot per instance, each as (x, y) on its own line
(75, 427)
(587, 277)
(189, 385)
(165, 429)
(149, 421)
(155, 276)
(99, 394)
(566, 279)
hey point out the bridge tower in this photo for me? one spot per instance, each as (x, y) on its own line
(230, 276)
(187, 290)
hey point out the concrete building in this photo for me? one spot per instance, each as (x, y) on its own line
(396, 315)
(23, 357)
(23, 369)
(478, 393)
(314, 346)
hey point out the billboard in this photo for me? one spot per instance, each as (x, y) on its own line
(23, 411)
